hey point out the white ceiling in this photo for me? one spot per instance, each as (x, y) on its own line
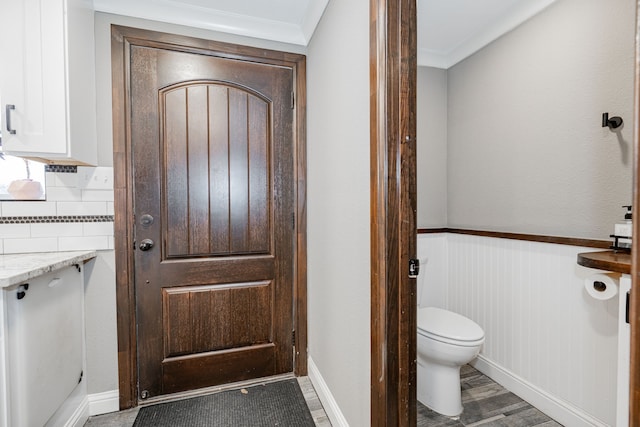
(288, 21)
(451, 30)
(448, 30)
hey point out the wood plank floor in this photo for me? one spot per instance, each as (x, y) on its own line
(486, 404)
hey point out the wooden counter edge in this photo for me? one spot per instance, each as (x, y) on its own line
(619, 262)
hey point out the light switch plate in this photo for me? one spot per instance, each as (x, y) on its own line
(95, 178)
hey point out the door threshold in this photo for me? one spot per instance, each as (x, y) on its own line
(214, 389)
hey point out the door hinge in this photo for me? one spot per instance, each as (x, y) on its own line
(293, 100)
(293, 221)
(293, 337)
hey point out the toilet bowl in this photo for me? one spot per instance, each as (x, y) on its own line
(446, 341)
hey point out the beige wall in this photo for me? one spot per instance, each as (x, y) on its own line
(432, 147)
(526, 150)
(338, 205)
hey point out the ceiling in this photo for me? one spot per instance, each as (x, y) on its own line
(448, 30)
(288, 21)
(451, 30)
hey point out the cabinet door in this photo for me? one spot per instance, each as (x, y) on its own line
(32, 76)
(45, 345)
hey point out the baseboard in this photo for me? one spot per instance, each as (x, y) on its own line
(74, 411)
(105, 402)
(80, 415)
(561, 411)
(326, 398)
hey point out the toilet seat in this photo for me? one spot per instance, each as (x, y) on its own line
(448, 327)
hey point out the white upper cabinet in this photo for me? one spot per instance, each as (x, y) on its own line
(47, 80)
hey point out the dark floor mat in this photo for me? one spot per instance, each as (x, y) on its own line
(274, 404)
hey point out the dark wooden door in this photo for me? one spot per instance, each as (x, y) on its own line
(213, 185)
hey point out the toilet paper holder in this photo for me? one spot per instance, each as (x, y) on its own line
(599, 286)
(602, 286)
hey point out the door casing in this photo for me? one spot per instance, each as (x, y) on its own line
(122, 38)
(393, 212)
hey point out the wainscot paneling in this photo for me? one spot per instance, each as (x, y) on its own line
(542, 328)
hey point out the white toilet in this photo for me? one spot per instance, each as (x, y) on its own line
(446, 341)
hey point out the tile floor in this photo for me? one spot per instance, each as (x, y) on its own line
(486, 404)
(126, 418)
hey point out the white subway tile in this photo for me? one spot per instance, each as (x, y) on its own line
(50, 180)
(97, 195)
(15, 231)
(97, 229)
(56, 229)
(19, 246)
(82, 208)
(110, 208)
(66, 179)
(83, 243)
(1, 246)
(56, 194)
(29, 209)
(110, 242)
(95, 178)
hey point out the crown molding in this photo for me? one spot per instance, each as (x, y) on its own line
(179, 13)
(476, 41)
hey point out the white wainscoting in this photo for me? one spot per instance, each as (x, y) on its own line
(542, 328)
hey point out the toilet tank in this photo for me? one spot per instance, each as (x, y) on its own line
(432, 280)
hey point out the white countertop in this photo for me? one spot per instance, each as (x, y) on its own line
(18, 268)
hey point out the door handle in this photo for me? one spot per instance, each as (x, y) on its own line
(146, 244)
(7, 115)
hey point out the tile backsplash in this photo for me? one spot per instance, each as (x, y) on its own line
(75, 216)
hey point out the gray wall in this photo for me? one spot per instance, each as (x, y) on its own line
(526, 150)
(100, 323)
(432, 147)
(338, 205)
(101, 328)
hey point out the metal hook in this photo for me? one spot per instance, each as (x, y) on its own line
(612, 123)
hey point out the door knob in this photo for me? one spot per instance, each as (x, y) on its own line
(146, 244)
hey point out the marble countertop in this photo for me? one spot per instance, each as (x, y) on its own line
(17, 268)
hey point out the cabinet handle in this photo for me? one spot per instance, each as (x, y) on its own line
(7, 111)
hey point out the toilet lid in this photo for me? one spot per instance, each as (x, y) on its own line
(448, 325)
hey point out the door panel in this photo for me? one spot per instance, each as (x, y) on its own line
(212, 151)
(218, 368)
(228, 212)
(217, 317)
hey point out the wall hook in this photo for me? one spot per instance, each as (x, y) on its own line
(613, 122)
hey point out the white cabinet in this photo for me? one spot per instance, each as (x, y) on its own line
(45, 344)
(47, 80)
(42, 344)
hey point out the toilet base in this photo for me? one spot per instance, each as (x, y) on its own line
(443, 393)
